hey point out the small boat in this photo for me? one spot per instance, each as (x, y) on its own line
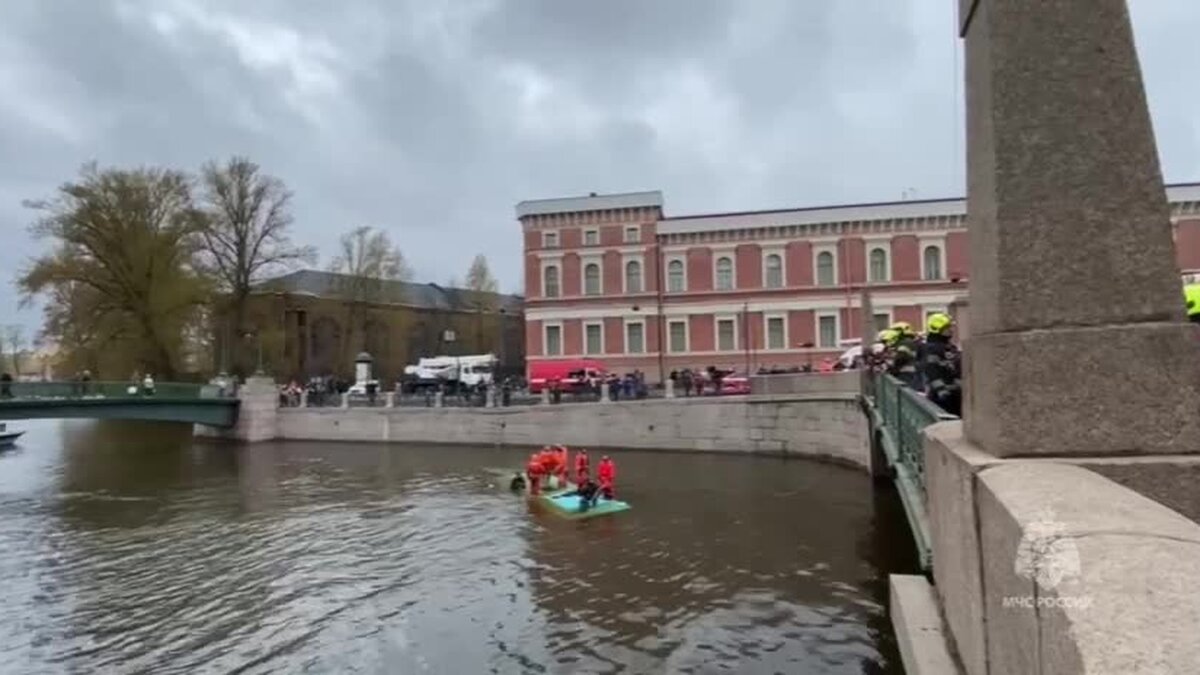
(567, 504)
(8, 438)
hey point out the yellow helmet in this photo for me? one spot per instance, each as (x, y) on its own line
(903, 328)
(938, 323)
(1191, 295)
(887, 336)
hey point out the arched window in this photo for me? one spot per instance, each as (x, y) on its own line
(591, 279)
(550, 281)
(633, 277)
(724, 274)
(933, 263)
(878, 267)
(774, 271)
(824, 268)
(675, 282)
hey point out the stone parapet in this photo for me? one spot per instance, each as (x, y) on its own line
(258, 414)
(846, 382)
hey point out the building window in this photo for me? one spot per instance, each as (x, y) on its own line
(677, 332)
(827, 331)
(635, 338)
(632, 234)
(882, 322)
(877, 269)
(550, 240)
(933, 262)
(675, 280)
(825, 268)
(726, 335)
(550, 281)
(776, 335)
(591, 279)
(773, 271)
(591, 237)
(633, 277)
(724, 274)
(593, 342)
(553, 341)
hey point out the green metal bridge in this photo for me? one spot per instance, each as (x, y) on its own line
(168, 402)
(897, 416)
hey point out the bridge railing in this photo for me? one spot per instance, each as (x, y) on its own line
(104, 390)
(898, 415)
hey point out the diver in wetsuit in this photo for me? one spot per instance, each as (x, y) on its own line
(518, 483)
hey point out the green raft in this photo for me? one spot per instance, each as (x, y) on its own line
(566, 503)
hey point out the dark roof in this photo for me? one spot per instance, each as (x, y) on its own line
(425, 296)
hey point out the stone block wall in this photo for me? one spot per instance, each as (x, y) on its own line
(831, 427)
(846, 382)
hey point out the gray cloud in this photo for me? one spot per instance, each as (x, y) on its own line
(431, 118)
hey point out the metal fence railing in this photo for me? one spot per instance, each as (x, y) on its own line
(105, 390)
(898, 416)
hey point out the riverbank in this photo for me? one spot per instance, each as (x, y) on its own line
(829, 427)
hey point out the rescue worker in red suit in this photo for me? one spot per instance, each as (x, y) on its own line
(564, 466)
(581, 467)
(606, 474)
(548, 460)
(534, 470)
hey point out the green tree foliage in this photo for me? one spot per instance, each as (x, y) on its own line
(245, 238)
(120, 282)
(368, 260)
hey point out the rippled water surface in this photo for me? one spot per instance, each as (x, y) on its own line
(130, 548)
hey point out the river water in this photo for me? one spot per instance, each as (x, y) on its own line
(128, 548)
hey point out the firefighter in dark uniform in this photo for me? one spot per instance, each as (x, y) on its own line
(904, 355)
(941, 364)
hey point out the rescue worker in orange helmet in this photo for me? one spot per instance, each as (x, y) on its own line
(534, 470)
(581, 467)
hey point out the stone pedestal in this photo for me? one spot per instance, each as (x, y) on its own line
(390, 399)
(345, 400)
(258, 414)
(669, 388)
(439, 399)
(303, 398)
(1077, 336)
(545, 396)
(605, 394)
(491, 397)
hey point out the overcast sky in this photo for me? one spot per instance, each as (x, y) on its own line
(432, 118)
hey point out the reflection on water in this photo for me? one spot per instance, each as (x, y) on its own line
(130, 548)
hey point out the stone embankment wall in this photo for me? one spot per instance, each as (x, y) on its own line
(829, 426)
(845, 382)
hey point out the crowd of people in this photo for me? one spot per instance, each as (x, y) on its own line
(554, 462)
(930, 363)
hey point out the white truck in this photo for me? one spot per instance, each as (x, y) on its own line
(452, 372)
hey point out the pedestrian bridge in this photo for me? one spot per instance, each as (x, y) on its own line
(168, 402)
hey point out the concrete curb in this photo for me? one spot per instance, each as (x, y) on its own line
(924, 647)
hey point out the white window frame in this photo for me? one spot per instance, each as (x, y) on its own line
(635, 322)
(717, 332)
(767, 317)
(891, 316)
(940, 243)
(637, 234)
(682, 260)
(732, 257)
(589, 231)
(640, 260)
(586, 325)
(562, 338)
(556, 263)
(598, 261)
(887, 262)
(547, 235)
(767, 252)
(687, 329)
(837, 328)
(832, 250)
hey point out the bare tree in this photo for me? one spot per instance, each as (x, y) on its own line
(368, 261)
(481, 288)
(13, 339)
(246, 221)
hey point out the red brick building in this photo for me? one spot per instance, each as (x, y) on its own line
(611, 277)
